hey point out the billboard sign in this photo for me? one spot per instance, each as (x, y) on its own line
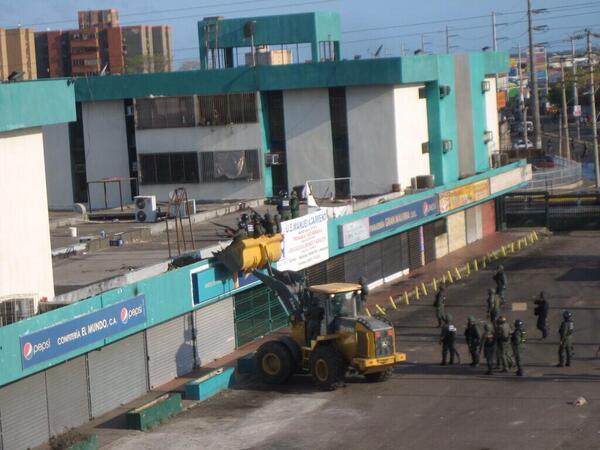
(305, 241)
(461, 196)
(511, 178)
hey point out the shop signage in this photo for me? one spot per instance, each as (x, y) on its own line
(362, 229)
(353, 232)
(305, 241)
(461, 196)
(510, 179)
(84, 330)
(397, 217)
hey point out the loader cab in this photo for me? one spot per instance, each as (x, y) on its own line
(341, 302)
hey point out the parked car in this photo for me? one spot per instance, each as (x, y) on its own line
(520, 145)
(544, 162)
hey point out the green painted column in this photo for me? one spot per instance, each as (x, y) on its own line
(263, 121)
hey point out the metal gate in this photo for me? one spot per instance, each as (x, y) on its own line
(24, 413)
(429, 241)
(354, 265)
(67, 390)
(257, 313)
(170, 350)
(215, 331)
(316, 274)
(456, 231)
(117, 374)
(415, 259)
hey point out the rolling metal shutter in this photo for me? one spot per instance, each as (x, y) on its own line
(441, 245)
(391, 256)
(117, 374)
(372, 262)
(24, 413)
(170, 350)
(456, 231)
(488, 218)
(429, 238)
(354, 266)
(335, 269)
(473, 224)
(414, 248)
(215, 331)
(68, 403)
(404, 250)
(317, 274)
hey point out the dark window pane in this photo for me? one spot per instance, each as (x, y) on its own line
(177, 168)
(191, 167)
(148, 169)
(163, 171)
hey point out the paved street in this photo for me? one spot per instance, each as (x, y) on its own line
(424, 405)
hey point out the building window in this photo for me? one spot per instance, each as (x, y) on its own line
(230, 166)
(164, 112)
(168, 168)
(227, 108)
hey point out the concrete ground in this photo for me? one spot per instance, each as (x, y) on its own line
(425, 405)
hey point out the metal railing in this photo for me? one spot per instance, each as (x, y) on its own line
(564, 173)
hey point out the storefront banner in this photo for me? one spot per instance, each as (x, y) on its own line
(511, 178)
(463, 195)
(305, 241)
(397, 217)
(73, 334)
(354, 232)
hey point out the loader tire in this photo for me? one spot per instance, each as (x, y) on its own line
(274, 362)
(327, 367)
(378, 377)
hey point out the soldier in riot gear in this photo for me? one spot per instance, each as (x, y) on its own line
(440, 304)
(314, 317)
(283, 206)
(364, 292)
(488, 346)
(502, 339)
(500, 279)
(268, 224)
(277, 222)
(541, 311)
(517, 341)
(565, 345)
(294, 204)
(473, 337)
(257, 223)
(493, 305)
(448, 340)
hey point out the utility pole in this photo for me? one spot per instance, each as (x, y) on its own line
(537, 124)
(565, 113)
(593, 103)
(494, 42)
(575, 94)
(522, 100)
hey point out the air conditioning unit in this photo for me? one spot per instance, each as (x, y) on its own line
(183, 212)
(145, 208)
(421, 182)
(274, 159)
(16, 307)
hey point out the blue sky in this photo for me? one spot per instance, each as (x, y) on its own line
(366, 24)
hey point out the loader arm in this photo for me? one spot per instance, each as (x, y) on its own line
(289, 301)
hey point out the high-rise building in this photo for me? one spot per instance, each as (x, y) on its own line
(102, 45)
(17, 53)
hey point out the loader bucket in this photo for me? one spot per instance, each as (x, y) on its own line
(251, 253)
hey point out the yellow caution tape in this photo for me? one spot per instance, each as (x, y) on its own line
(475, 265)
(368, 312)
(434, 284)
(406, 298)
(468, 268)
(393, 303)
(380, 309)
(450, 280)
(424, 289)
(417, 292)
(458, 277)
(504, 251)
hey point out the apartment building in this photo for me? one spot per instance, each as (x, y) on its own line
(17, 53)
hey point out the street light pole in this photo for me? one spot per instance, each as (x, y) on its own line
(522, 101)
(575, 95)
(565, 115)
(537, 124)
(593, 103)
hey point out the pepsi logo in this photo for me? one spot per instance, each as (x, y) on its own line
(124, 315)
(425, 208)
(27, 351)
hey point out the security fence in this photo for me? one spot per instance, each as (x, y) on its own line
(555, 212)
(564, 173)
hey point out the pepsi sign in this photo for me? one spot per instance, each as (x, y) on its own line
(84, 330)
